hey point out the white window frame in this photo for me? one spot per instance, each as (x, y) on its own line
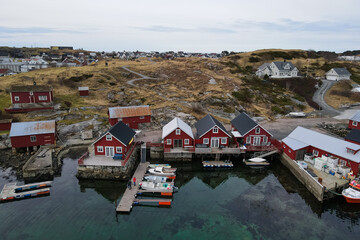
(100, 148)
(215, 130)
(257, 130)
(108, 137)
(33, 139)
(205, 141)
(186, 141)
(355, 123)
(315, 151)
(223, 140)
(177, 132)
(248, 140)
(168, 141)
(42, 98)
(118, 149)
(16, 98)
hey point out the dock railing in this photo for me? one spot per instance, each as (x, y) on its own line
(82, 158)
(128, 155)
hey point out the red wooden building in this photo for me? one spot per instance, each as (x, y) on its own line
(354, 121)
(31, 94)
(246, 131)
(177, 134)
(5, 124)
(302, 140)
(131, 116)
(117, 140)
(211, 133)
(29, 134)
(84, 91)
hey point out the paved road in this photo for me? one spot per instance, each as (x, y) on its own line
(319, 98)
(131, 82)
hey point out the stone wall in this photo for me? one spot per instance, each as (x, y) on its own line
(111, 172)
(304, 177)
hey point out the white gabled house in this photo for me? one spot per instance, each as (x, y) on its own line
(336, 74)
(278, 70)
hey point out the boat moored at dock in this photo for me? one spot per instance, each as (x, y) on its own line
(160, 171)
(352, 193)
(256, 162)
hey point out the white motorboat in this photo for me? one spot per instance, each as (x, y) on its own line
(156, 179)
(352, 193)
(159, 165)
(256, 162)
(156, 186)
(159, 171)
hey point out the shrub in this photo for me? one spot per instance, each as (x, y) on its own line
(243, 95)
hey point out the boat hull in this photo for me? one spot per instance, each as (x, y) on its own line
(351, 200)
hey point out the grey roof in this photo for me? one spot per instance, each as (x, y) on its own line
(356, 117)
(324, 142)
(281, 65)
(122, 132)
(83, 88)
(243, 123)
(342, 71)
(32, 128)
(263, 66)
(353, 135)
(207, 123)
(28, 88)
(294, 144)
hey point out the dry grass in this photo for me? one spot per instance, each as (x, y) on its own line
(335, 100)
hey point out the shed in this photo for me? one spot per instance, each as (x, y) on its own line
(5, 124)
(177, 134)
(84, 91)
(131, 115)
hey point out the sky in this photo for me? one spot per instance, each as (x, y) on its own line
(182, 25)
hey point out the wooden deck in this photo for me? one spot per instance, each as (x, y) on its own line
(128, 198)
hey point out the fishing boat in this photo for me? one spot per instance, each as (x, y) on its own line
(352, 193)
(156, 179)
(156, 186)
(256, 162)
(159, 171)
(159, 165)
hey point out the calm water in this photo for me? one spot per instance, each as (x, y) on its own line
(231, 204)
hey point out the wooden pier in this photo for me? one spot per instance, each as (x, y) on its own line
(128, 198)
(13, 192)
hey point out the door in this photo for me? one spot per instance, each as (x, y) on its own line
(214, 142)
(300, 154)
(256, 141)
(178, 143)
(109, 151)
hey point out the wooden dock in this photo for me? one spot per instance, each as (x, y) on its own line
(13, 192)
(128, 198)
(158, 202)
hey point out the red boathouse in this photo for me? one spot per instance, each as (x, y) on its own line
(29, 134)
(84, 91)
(131, 116)
(211, 133)
(177, 134)
(354, 121)
(117, 140)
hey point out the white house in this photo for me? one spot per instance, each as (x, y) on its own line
(336, 74)
(278, 70)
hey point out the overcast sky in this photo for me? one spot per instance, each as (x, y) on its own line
(187, 25)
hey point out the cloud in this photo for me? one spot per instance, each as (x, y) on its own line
(34, 30)
(166, 29)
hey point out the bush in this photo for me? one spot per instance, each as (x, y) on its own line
(277, 110)
(112, 83)
(253, 59)
(243, 95)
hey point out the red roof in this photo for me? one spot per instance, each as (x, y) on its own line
(3, 70)
(132, 111)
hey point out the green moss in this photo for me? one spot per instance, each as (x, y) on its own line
(5, 101)
(74, 99)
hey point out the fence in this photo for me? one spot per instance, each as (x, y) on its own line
(82, 158)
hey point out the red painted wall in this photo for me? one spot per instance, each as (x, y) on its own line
(253, 134)
(182, 136)
(132, 122)
(288, 151)
(41, 139)
(353, 127)
(210, 135)
(24, 97)
(114, 143)
(84, 93)
(5, 126)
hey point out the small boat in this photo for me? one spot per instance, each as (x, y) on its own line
(256, 162)
(352, 193)
(159, 165)
(156, 186)
(156, 179)
(159, 171)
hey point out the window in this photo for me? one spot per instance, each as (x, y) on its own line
(119, 149)
(186, 142)
(108, 137)
(289, 151)
(177, 131)
(142, 117)
(42, 98)
(223, 141)
(354, 123)
(315, 153)
(168, 142)
(248, 139)
(265, 139)
(215, 130)
(32, 138)
(17, 98)
(205, 141)
(100, 149)
(257, 130)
